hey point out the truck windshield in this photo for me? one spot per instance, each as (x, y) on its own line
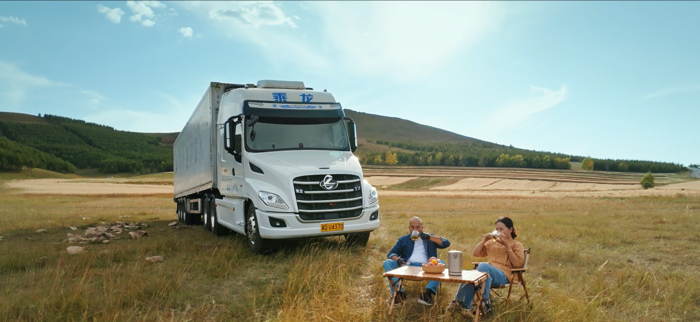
(272, 134)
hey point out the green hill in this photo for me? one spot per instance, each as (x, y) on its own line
(377, 127)
(61, 141)
(87, 145)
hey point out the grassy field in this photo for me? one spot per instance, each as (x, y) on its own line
(603, 259)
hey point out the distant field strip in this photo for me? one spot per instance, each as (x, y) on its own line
(84, 187)
(509, 184)
(574, 176)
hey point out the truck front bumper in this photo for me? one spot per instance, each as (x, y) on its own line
(297, 229)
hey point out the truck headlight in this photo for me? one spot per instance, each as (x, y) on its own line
(373, 196)
(272, 200)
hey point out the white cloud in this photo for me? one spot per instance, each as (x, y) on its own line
(269, 29)
(186, 32)
(521, 113)
(174, 113)
(113, 15)
(142, 11)
(154, 4)
(93, 97)
(254, 14)
(672, 90)
(405, 40)
(402, 41)
(14, 20)
(15, 84)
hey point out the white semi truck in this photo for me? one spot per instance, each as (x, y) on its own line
(272, 161)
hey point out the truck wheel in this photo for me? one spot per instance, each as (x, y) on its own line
(357, 240)
(215, 227)
(205, 213)
(256, 244)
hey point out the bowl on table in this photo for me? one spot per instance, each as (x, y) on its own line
(434, 269)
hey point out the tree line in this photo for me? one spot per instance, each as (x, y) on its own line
(460, 160)
(485, 154)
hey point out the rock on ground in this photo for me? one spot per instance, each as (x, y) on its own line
(154, 259)
(41, 231)
(105, 233)
(138, 234)
(75, 250)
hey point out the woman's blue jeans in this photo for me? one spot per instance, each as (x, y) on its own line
(466, 291)
(390, 264)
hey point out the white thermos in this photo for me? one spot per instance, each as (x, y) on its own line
(454, 262)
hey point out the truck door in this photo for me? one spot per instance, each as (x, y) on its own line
(231, 207)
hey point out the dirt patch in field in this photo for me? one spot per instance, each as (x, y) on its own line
(531, 185)
(543, 194)
(692, 185)
(378, 181)
(86, 187)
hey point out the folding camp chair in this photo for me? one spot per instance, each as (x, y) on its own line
(514, 272)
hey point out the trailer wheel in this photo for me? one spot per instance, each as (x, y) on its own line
(215, 227)
(357, 240)
(205, 213)
(257, 244)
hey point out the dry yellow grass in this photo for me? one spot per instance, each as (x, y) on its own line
(594, 259)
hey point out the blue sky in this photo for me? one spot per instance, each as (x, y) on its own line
(601, 79)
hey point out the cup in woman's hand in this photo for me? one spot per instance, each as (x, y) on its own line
(495, 234)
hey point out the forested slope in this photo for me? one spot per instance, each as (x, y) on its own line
(89, 145)
(383, 140)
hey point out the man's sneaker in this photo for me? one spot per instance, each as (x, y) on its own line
(400, 297)
(486, 305)
(426, 298)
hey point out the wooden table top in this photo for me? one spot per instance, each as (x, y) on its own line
(416, 273)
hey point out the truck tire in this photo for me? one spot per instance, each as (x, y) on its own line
(256, 244)
(205, 213)
(357, 240)
(215, 227)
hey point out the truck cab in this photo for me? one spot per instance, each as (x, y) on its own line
(286, 168)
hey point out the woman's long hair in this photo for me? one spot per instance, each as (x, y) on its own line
(509, 224)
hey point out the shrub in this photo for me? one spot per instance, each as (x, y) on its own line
(648, 180)
(562, 163)
(390, 158)
(546, 162)
(536, 162)
(623, 167)
(587, 164)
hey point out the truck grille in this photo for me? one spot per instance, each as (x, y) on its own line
(316, 203)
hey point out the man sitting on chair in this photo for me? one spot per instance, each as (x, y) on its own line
(415, 253)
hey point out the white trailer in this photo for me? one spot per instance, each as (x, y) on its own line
(272, 161)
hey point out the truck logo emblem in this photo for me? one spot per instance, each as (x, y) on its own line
(328, 183)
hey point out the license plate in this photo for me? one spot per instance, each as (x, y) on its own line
(336, 226)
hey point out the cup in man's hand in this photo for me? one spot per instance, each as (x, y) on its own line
(415, 235)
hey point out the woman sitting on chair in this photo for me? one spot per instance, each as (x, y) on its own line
(504, 253)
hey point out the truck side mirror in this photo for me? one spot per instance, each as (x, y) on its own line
(352, 133)
(230, 137)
